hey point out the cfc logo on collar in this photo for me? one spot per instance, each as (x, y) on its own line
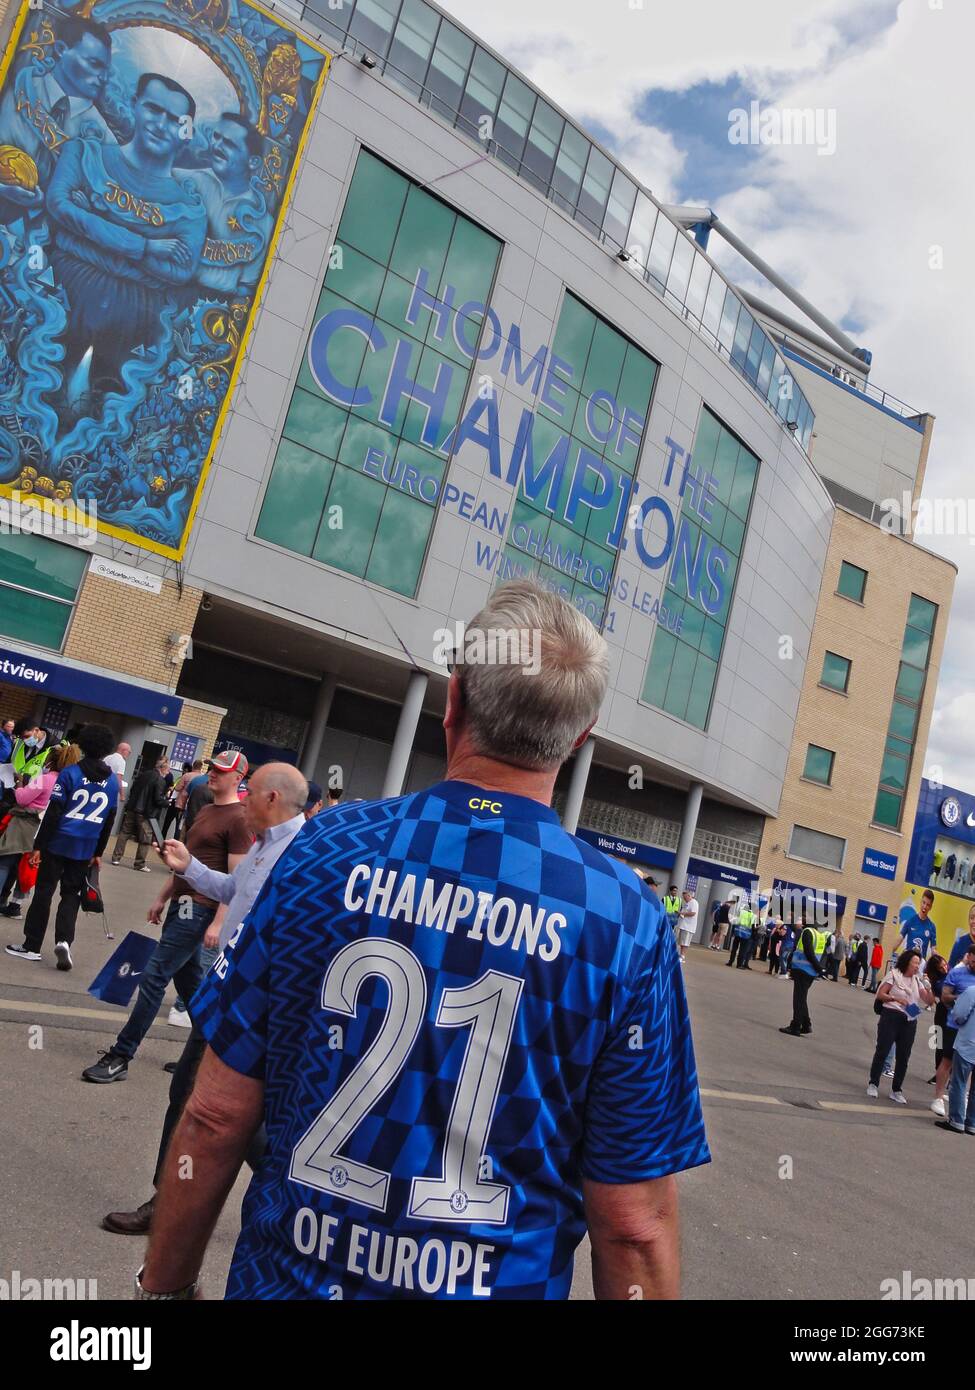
(478, 803)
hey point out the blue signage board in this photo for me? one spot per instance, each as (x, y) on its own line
(878, 863)
(664, 859)
(255, 753)
(822, 899)
(85, 688)
(874, 912)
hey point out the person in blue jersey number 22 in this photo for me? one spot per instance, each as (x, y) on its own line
(464, 1028)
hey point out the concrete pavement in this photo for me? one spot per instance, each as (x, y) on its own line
(814, 1189)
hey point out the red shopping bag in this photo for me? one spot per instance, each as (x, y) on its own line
(26, 874)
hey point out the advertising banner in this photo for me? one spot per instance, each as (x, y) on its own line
(147, 150)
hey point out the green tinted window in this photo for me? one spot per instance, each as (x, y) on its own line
(356, 485)
(887, 809)
(683, 665)
(910, 682)
(905, 710)
(922, 614)
(836, 671)
(852, 582)
(819, 765)
(39, 581)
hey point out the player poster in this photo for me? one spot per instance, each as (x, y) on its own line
(147, 149)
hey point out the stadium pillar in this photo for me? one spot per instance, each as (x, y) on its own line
(691, 812)
(312, 746)
(409, 718)
(577, 786)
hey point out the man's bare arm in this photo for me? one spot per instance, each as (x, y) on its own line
(202, 1163)
(634, 1233)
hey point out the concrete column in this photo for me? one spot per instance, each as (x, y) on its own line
(315, 733)
(577, 786)
(409, 718)
(691, 812)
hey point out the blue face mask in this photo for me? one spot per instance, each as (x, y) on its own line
(30, 742)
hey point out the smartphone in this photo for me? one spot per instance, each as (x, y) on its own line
(157, 834)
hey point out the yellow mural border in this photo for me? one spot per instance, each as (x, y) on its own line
(170, 552)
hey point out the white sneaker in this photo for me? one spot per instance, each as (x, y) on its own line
(179, 1018)
(888, 1071)
(872, 1091)
(938, 1106)
(898, 1097)
(142, 869)
(63, 952)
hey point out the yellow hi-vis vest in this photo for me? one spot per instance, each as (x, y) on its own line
(821, 939)
(672, 904)
(746, 917)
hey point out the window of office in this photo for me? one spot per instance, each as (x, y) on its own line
(852, 582)
(819, 765)
(905, 711)
(356, 485)
(39, 582)
(836, 672)
(817, 847)
(684, 659)
(576, 557)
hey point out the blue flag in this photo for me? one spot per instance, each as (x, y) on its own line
(119, 977)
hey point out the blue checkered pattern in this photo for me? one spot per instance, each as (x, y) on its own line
(599, 1080)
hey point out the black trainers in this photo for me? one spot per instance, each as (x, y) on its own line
(10, 910)
(109, 1067)
(63, 953)
(793, 1032)
(23, 953)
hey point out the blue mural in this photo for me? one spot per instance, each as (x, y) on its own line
(146, 151)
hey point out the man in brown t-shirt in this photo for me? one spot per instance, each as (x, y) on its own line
(219, 838)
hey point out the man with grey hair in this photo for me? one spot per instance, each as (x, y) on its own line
(274, 812)
(465, 1029)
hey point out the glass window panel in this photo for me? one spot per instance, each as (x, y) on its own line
(702, 688)
(448, 70)
(538, 163)
(336, 20)
(640, 235)
(514, 118)
(34, 562)
(471, 263)
(922, 613)
(765, 367)
(887, 809)
(636, 383)
(361, 499)
(743, 335)
(756, 344)
(819, 765)
(680, 267)
(902, 720)
(852, 581)
(359, 279)
(315, 423)
(893, 772)
(706, 441)
(423, 237)
(574, 334)
(836, 671)
(898, 745)
(294, 499)
(400, 544)
(729, 321)
(816, 845)
(606, 354)
(744, 484)
(775, 379)
(916, 648)
(697, 290)
(681, 676)
(482, 92)
(622, 196)
(725, 463)
(658, 668)
(409, 53)
(595, 190)
(569, 168)
(662, 250)
(30, 618)
(373, 207)
(910, 683)
(373, 23)
(717, 290)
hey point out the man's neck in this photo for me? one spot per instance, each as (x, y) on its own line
(494, 776)
(225, 798)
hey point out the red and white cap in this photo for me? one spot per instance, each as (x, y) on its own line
(230, 760)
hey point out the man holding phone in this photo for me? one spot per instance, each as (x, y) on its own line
(219, 839)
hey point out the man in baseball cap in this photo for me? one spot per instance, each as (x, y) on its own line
(230, 760)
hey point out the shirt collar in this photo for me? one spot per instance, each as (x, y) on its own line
(509, 807)
(278, 832)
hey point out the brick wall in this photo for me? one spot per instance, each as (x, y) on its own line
(17, 700)
(198, 719)
(854, 725)
(127, 630)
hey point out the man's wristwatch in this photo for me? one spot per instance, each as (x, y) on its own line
(179, 1296)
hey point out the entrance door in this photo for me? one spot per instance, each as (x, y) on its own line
(150, 755)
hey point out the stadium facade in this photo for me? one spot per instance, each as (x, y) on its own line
(481, 349)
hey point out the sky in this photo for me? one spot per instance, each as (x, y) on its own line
(875, 233)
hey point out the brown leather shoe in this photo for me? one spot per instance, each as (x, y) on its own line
(130, 1223)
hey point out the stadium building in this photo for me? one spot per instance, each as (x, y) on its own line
(482, 349)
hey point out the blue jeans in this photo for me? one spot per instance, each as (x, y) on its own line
(208, 955)
(960, 1114)
(176, 958)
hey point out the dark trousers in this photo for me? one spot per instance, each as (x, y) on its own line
(133, 827)
(54, 870)
(173, 816)
(180, 1088)
(737, 945)
(896, 1030)
(763, 953)
(833, 967)
(800, 1007)
(745, 952)
(176, 958)
(774, 960)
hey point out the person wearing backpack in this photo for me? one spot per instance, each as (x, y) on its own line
(73, 834)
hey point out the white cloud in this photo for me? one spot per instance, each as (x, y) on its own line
(853, 231)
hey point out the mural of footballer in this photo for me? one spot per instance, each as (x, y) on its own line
(238, 222)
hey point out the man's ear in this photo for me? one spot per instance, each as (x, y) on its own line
(583, 736)
(455, 701)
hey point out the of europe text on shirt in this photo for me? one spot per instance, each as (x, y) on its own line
(240, 888)
(459, 1011)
